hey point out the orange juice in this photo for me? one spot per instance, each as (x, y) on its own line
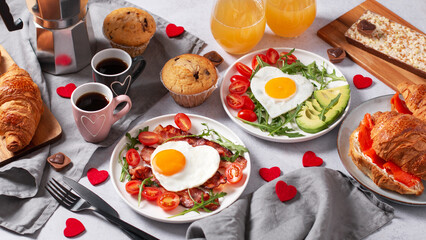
(238, 25)
(290, 18)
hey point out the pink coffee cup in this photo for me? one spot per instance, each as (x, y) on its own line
(93, 108)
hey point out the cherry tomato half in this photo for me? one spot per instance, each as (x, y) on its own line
(239, 87)
(132, 186)
(148, 138)
(243, 69)
(248, 103)
(272, 56)
(239, 78)
(234, 173)
(183, 122)
(247, 115)
(235, 101)
(290, 58)
(168, 201)
(151, 193)
(132, 157)
(254, 62)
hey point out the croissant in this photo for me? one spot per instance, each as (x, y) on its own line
(415, 98)
(21, 108)
(401, 138)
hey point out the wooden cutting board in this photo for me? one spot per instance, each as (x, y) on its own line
(390, 74)
(47, 131)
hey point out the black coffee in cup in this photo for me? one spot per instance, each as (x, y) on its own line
(111, 66)
(92, 101)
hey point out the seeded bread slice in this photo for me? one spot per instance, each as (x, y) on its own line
(392, 42)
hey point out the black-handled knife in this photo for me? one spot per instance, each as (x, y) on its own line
(105, 209)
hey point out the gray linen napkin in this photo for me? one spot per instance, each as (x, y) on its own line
(328, 205)
(25, 206)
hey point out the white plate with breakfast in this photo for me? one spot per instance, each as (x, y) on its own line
(406, 191)
(222, 169)
(292, 96)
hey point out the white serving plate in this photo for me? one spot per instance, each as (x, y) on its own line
(348, 126)
(306, 58)
(150, 209)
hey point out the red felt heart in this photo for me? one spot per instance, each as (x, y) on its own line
(285, 192)
(269, 174)
(311, 160)
(73, 228)
(95, 177)
(173, 31)
(66, 91)
(63, 60)
(361, 82)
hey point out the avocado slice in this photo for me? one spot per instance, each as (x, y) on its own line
(325, 96)
(308, 118)
(316, 105)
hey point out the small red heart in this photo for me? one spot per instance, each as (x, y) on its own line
(73, 228)
(361, 82)
(66, 91)
(173, 31)
(310, 159)
(63, 60)
(269, 174)
(95, 177)
(285, 192)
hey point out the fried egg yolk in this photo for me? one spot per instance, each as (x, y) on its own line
(169, 162)
(280, 87)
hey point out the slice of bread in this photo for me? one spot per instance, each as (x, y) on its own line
(379, 176)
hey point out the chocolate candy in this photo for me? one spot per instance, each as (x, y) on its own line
(59, 161)
(366, 28)
(214, 57)
(336, 55)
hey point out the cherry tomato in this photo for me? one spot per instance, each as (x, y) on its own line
(247, 115)
(254, 60)
(243, 69)
(234, 173)
(168, 201)
(183, 122)
(248, 103)
(132, 186)
(290, 58)
(132, 157)
(272, 56)
(151, 193)
(235, 101)
(399, 104)
(148, 138)
(239, 78)
(239, 87)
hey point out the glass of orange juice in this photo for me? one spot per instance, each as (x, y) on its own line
(290, 18)
(238, 25)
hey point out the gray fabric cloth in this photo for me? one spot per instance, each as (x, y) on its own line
(25, 206)
(328, 205)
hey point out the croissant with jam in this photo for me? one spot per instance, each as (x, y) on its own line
(21, 108)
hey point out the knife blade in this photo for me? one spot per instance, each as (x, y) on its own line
(94, 200)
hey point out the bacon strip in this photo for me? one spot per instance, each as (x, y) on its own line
(240, 160)
(168, 132)
(196, 194)
(217, 179)
(146, 153)
(141, 172)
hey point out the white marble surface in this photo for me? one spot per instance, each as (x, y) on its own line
(409, 221)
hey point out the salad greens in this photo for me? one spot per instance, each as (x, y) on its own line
(148, 182)
(276, 126)
(202, 204)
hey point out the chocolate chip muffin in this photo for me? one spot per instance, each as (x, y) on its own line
(130, 29)
(190, 79)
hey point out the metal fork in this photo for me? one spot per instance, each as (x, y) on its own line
(75, 203)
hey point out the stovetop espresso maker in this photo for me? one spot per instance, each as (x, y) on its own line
(61, 33)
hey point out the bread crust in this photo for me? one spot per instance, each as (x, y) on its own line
(379, 176)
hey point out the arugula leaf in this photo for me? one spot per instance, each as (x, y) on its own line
(146, 181)
(202, 205)
(329, 106)
(122, 160)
